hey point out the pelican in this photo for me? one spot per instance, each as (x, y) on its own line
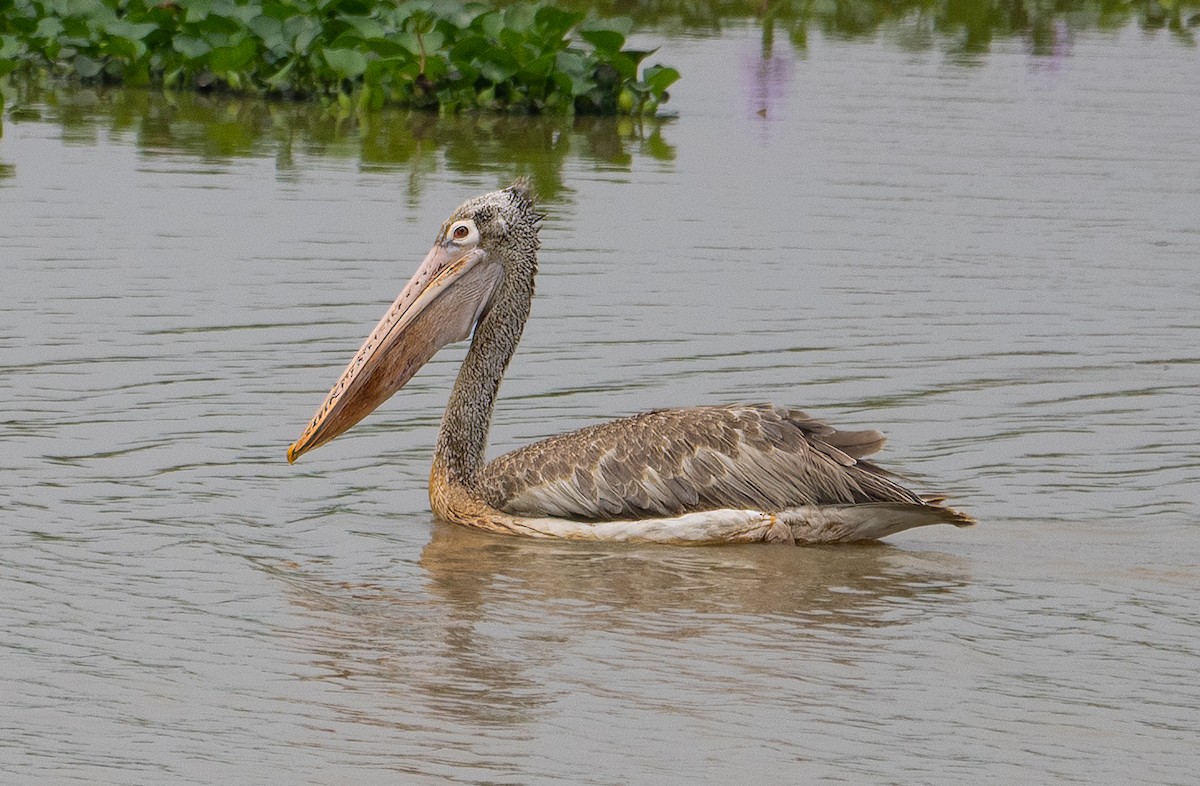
(712, 474)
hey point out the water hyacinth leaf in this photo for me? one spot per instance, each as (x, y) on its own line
(468, 48)
(80, 30)
(658, 78)
(215, 26)
(621, 24)
(624, 66)
(402, 67)
(87, 67)
(408, 41)
(606, 35)
(539, 67)
(605, 41)
(519, 19)
(346, 63)
(365, 26)
(348, 39)
(226, 60)
(573, 68)
(555, 23)
(497, 65)
(121, 28)
(10, 47)
(432, 41)
(453, 12)
(489, 23)
(514, 43)
(436, 69)
(301, 31)
(197, 10)
(638, 55)
(279, 79)
(49, 29)
(270, 30)
(122, 49)
(190, 47)
(385, 47)
(241, 12)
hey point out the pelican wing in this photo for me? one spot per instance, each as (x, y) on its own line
(677, 461)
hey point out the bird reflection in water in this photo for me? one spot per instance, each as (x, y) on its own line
(492, 632)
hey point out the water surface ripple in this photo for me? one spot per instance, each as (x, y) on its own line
(993, 260)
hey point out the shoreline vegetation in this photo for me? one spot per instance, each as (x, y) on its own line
(530, 58)
(526, 57)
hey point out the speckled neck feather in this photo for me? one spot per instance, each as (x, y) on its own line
(508, 227)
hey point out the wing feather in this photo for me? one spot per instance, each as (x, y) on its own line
(670, 462)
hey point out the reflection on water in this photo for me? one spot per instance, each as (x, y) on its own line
(807, 587)
(499, 633)
(994, 263)
(964, 27)
(421, 144)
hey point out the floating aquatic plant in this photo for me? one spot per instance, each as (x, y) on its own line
(449, 56)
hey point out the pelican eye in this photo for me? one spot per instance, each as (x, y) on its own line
(461, 232)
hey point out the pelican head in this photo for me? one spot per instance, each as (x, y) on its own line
(486, 251)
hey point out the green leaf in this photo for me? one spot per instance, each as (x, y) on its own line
(191, 48)
(279, 79)
(406, 40)
(489, 23)
(572, 67)
(498, 66)
(197, 10)
(86, 67)
(404, 68)
(365, 26)
(624, 65)
(10, 47)
(519, 19)
(638, 55)
(270, 30)
(123, 48)
(468, 48)
(432, 41)
(658, 78)
(134, 32)
(605, 41)
(538, 68)
(386, 48)
(346, 63)
(227, 60)
(49, 28)
(554, 22)
(300, 32)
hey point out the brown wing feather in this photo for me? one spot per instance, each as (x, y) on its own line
(677, 461)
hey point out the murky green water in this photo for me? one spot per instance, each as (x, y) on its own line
(994, 259)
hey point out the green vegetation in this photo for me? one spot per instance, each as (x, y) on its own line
(443, 55)
(530, 58)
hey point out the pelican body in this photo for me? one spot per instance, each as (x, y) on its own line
(712, 474)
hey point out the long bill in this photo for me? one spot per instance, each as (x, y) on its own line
(439, 305)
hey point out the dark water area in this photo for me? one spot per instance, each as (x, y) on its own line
(990, 254)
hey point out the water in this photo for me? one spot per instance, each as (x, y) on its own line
(993, 258)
